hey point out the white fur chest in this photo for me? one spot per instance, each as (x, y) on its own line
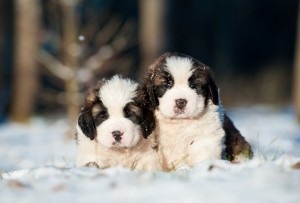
(190, 141)
(140, 157)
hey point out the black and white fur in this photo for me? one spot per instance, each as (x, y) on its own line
(190, 118)
(114, 129)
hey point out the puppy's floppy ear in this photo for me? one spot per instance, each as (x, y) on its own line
(147, 91)
(150, 95)
(87, 124)
(148, 122)
(213, 91)
(86, 121)
(147, 118)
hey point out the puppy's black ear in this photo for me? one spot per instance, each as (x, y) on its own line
(151, 95)
(146, 94)
(213, 91)
(148, 122)
(86, 121)
(87, 124)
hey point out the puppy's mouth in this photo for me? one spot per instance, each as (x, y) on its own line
(179, 111)
(116, 143)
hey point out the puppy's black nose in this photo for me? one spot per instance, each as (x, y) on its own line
(180, 103)
(117, 135)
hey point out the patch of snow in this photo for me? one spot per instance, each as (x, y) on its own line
(35, 145)
(37, 165)
(272, 132)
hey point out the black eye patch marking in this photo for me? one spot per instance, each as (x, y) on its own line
(168, 83)
(99, 112)
(202, 82)
(198, 81)
(133, 113)
(162, 82)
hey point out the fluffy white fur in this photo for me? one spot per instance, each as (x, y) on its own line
(139, 157)
(86, 149)
(115, 94)
(196, 135)
(180, 68)
(187, 142)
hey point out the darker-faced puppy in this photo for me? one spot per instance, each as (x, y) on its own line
(191, 125)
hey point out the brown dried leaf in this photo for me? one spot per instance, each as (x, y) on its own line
(16, 184)
(213, 166)
(296, 166)
(59, 187)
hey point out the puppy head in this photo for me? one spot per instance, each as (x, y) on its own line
(179, 86)
(113, 115)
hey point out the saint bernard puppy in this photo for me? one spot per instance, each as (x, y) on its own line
(191, 124)
(114, 129)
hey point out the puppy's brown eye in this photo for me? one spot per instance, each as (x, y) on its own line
(129, 114)
(100, 117)
(167, 84)
(103, 115)
(193, 86)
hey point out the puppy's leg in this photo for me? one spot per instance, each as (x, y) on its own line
(92, 164)
(236, 147)
(86, 151)
(205, 149)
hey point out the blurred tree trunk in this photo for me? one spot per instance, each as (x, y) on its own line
(25, 77)
(297, 69)
(70, 50)
(152, 31)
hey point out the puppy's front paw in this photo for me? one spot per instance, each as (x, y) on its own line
(92, 164)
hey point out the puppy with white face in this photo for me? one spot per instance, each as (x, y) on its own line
(189, 116)
(114, 129)
(183, 88)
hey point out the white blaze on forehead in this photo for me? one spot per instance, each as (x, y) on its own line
(180, 68)
(117, 92)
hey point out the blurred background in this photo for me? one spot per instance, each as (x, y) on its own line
(51, 51)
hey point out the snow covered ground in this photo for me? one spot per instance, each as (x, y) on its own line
(37, 165)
